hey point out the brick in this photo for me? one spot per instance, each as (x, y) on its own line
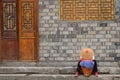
(45, 10)
(46, 25)
(41, 14)
(46, 55)
(46, 2)
(113, 32)
(107, 78)
(117, 58)
(74, 40)
(117, 51)
(108, 43)
(103, 24)
(51, 14)
(80, 36)
(117, 55)
(70, 29)
(92, 32)
(107, 28)
(70, 36)
(56, 55)
(83, 25)
(94, 47)
(108, 64)
(108, 36)
(69, 51)
(113, 24)
(51, 6)
(51, 21)
(118, 28)
(116, 78)
(46, 17)
(55, 18)
(42, 59)
(94, 24)
(100, 36)
(55, 10)
(89, 43)
(30, 78)
(42, 29)
(103, 70)
(89, 36)
(103, 55)
(102, 32)
(109, 58)
(104, 40)
(115, 70)
(98, 28)
(59, 59)
(114, 40)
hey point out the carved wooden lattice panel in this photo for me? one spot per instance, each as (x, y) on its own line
(27, 15)
(80, 10)
(67, 9)
(9, 16)
(86, 9)
(9, 22)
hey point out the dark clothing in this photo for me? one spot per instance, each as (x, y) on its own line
(79, 70)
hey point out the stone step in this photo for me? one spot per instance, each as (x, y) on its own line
(56, 77)
(53, 70)
(54, 64)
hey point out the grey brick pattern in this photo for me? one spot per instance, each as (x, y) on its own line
(117, 10)
(63, 40)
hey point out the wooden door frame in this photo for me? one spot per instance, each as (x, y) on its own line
(37, 36)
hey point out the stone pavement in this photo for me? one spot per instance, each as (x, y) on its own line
(52, 73)
(55, 77)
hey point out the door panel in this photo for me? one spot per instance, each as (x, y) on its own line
(9, 30)
(28, 30)
(10, 49)
(27, 49)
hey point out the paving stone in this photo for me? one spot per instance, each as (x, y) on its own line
(58, 77)
(116, 78)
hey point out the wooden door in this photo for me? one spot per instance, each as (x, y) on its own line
(9, 30)
(18, 30)
(0, 28)
(28, 30)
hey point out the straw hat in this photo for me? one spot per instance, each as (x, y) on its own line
(87, 53)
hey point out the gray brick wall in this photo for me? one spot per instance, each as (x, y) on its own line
(63, 40)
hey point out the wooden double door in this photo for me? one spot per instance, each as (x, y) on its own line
(18, 30)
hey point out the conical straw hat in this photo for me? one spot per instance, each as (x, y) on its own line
(87, 53)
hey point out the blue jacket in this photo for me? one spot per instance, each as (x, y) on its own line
(87, 63)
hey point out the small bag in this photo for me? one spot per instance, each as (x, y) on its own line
(86, 72)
